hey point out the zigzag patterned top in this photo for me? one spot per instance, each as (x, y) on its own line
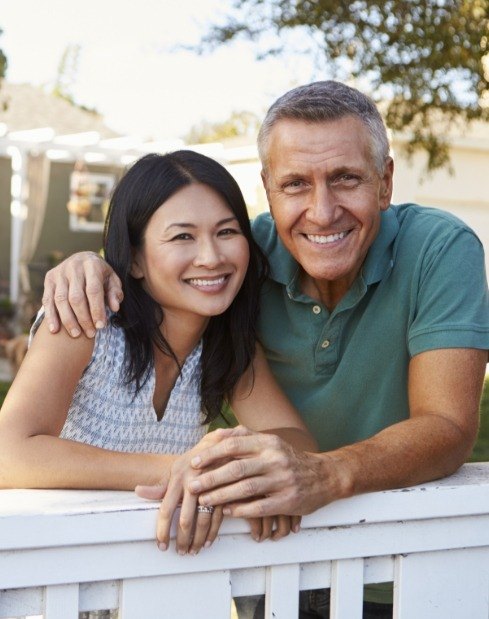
(105, 413)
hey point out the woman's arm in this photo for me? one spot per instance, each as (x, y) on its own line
(260, 404)
(31, 453)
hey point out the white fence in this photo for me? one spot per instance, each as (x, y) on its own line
(62, 552)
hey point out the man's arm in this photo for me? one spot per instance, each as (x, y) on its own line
(76, 292)
(444, 395)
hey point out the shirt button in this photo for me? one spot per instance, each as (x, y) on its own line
(325, 344)
(316, 309)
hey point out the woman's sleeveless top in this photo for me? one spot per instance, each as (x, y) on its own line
(106, 413)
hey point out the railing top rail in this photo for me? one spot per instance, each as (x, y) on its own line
(41, 518)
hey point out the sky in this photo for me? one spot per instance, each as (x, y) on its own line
(132, 67)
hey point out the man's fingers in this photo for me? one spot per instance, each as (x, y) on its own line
(245, 489)
(78, 305)
(227, 474)
(50, 312)
(259, 508)
(102, 286)
(241, 443)
(113, 293)
(59, 304)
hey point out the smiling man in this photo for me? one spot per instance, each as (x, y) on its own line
(375, 319)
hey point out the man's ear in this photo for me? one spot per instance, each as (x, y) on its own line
(265, 181)
(386, 185)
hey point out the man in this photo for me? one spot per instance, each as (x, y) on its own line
(375, 318)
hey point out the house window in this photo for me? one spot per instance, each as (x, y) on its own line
(89, 199)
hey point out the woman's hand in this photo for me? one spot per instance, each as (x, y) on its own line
(197, 527)
(273, 527)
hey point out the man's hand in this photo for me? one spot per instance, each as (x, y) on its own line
(76, 292)
(272, 476)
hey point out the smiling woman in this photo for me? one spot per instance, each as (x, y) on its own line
(129, 406)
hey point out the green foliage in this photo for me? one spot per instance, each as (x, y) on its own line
(426, 58)
(238, 124)
(4, 387)
(481, 448)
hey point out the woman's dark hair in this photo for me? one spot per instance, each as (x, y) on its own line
(229, 339)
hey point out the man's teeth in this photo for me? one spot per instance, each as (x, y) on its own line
(207, 282)
(319, 238)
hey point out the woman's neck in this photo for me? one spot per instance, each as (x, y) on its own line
(183, 333)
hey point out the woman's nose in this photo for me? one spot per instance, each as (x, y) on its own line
(208, 254)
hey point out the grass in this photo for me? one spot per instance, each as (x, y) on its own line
(481, 448)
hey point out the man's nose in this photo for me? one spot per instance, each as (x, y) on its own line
(208, 254)
(322, 208)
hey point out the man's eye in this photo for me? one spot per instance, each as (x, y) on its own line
(294, 185)
(347, 179)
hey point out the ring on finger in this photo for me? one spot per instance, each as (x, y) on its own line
(205, 509)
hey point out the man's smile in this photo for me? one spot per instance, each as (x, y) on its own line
(329, 238)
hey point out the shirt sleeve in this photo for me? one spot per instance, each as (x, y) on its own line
(451, 296)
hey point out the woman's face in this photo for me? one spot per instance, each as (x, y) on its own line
(194, 256)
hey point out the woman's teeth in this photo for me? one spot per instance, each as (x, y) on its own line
(207, 282)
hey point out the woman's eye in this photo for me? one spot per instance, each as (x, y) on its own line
(184, 236)
(228, 231)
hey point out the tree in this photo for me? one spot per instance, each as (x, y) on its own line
(426, 60)
(239, 123)
(3, 70)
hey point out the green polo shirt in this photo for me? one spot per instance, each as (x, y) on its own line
(422, 286)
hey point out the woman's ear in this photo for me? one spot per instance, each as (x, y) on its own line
(136, 270)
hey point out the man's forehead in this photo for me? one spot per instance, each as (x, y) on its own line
(295, 144)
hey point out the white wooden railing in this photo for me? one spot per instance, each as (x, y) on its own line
(62, 552)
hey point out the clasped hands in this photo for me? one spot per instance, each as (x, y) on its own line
(239, 473)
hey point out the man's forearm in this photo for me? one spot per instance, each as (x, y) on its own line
(407, 453)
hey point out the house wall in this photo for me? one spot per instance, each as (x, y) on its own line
(463, 192)
(56, 236)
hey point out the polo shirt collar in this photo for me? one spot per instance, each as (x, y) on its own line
(285, 270)
(379, 260)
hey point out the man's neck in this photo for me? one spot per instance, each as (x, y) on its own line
(329, 293)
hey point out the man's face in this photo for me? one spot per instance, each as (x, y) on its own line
(326, 197)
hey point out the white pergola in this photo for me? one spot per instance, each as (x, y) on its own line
(89, 148)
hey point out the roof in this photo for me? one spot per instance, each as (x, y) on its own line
(30, 107)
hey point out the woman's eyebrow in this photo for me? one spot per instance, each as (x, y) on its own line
(182, 224)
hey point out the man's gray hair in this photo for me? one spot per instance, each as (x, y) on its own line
(323, 102)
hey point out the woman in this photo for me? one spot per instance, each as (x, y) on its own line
(128, 407)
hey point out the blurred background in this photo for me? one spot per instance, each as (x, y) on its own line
(86, 88)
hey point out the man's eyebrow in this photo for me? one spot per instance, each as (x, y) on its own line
(183, 224)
